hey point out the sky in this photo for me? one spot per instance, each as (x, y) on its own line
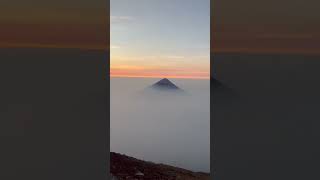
(272, 26)
(54, 24)
(153, 38)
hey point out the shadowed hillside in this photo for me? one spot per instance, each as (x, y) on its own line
(124, 167)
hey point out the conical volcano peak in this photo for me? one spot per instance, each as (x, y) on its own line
(165, 84)
(165, 81)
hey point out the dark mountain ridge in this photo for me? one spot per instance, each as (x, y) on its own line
(165, 84)
(125, 167)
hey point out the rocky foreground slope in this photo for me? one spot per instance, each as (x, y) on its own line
(124, 167)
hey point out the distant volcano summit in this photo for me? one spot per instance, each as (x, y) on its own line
(165, 84)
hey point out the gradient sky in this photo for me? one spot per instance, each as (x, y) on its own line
(270, 26)
(160, 38)
(58, 23)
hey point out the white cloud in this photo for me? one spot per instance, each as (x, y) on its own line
(121, 19)
(114, 47)
(175, 57)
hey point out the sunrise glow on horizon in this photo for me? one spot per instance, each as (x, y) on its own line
(160, 67)
(143, 72)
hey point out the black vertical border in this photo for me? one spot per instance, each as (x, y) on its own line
(212, 124)
(108, 60)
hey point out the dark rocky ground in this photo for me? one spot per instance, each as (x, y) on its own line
(124, 167)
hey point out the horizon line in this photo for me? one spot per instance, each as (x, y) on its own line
(160, 77)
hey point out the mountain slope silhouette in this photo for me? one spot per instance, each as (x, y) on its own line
(165, 85)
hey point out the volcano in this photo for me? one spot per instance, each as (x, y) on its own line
(165, 84)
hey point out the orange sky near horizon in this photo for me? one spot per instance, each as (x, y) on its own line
(136, 64)
(160, 67)
(154, 72)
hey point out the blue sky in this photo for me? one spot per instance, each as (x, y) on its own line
(160, 38)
